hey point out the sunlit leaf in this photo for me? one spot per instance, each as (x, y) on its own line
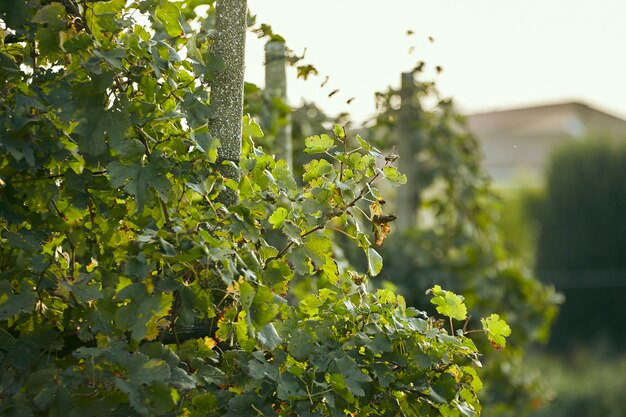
(448, 303)
(497, 330)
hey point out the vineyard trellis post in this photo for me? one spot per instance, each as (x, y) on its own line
(276, 89)
(408, 137)
(227, 89)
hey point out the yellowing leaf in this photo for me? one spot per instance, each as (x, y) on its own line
(380, 223)
(497, 330)
(209, 342)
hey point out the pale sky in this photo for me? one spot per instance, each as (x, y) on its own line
(495, 54)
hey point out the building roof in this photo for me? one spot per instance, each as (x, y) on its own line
(519, 141)
(570, 119)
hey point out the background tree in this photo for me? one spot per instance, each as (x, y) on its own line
(583, 239)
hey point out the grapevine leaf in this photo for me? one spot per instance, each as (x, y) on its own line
(205, 142)
(301, 345)
(149, 371)
(138, 180)
(278, 217)
(497, 330)
(263, 308)
(448, 303)
(268, 337)
(250, 128)
(374, 262)
(443, 389)
(289, 388)
(318, 144)
(51, 15)
(212, 375)
(134, 396)
(315, 248)
(15, 304)
(363, 143)
(394, 176)
(339, 131)
(168, 14)
(316, 169)
(354, 377)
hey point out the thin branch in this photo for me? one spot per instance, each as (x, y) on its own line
(338, 213)
(143, 137)
(336, 229)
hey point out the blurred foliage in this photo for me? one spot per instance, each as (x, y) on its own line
(518, 221)
(583, 240)
(587, 383)
(584, 216)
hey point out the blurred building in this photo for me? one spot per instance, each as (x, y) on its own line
(517, 143)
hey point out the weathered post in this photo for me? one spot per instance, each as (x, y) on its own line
(276, 88)
(407, 138)
(227, 89)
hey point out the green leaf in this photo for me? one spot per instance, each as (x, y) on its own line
(15, 304)
(139, 180)
(263, 308)
(246, 295)
(243, 331)
(134, 396)
(392, 174)
(316, 248)
(83, 290)
(277, 275)
(205, 142)
(52, 15)
(301, 345)
(318, 144)
(448, 303)
(278, 217)
(374, 262)
(497, 330)
(339, 131)
(251, 128)
(168, 14)
(283, 176)
(7, 64)
(289, 388)
(212, 375)
(354, 377)
(316, 169)
(268, 337)
(443, 390)
(149, 371)
(363, 143)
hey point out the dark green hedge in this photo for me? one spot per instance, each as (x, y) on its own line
(582, 243)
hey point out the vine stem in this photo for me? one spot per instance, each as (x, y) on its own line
(351, 204)
(143, 136)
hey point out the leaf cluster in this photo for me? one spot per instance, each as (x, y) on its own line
(127, 288)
